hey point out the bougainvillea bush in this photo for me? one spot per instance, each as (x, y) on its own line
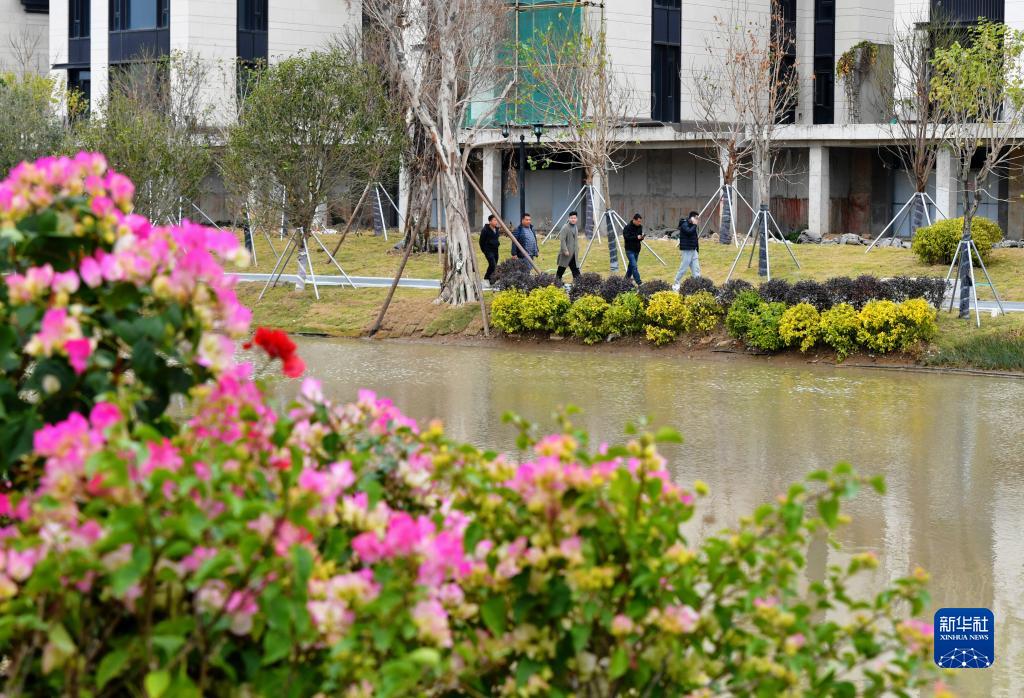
(344, 549)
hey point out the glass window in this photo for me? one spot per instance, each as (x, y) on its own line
(78, 19)
(141, 14)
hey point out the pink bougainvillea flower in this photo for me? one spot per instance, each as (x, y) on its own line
(78, 351)
(104, 414)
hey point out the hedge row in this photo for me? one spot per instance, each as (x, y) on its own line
(513, 274)
(879, 326)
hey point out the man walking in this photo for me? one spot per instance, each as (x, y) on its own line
(633, 236)
(490, 242)
(690, 245)
(568, 245)
(527, 237)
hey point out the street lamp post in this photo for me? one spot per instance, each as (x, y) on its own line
(538, 131)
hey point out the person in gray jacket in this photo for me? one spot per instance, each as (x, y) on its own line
(568, 246)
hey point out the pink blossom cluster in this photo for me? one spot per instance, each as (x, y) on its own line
(183, 264)
(331, 601)
(51, 181)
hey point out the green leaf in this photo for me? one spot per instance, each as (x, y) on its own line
(61, 640)
(668, 435)
(878, 484)
(111, 666)
(829, 510)
(156, 683)
(494, 612)
(426, 656)
(620, 662)
(276, 646)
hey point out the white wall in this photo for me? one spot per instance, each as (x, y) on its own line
(628, 37)
(27, 31)
(58, 39)
(856, 21)
(99, 58)
(208, 29)
(306, 25)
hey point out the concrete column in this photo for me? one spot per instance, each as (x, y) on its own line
(946, 185)
(99, 56)
(208, 31)
(491, 182)
(819, 199)
(1015, 204)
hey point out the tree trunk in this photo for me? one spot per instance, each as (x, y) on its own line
(725, 231)
(964, 269)
(460, 283)
(601, 182)
(917, 214)
(762, 174)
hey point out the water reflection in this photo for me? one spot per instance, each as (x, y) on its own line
(949, 447)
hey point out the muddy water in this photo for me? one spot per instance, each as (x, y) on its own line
(951, 448)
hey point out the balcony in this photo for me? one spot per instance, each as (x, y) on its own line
(38, 7)
(968, 11)
(126, 46)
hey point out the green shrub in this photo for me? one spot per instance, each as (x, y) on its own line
(702, 312)
(626, 316)
(507, 310)
(764, 327)
(936, 244)
(800, 326)
(744, 305)
(585, 319)
(544, 309)
(839, 328)
(881, 329)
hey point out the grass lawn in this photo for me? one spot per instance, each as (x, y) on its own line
(998, 345)
(366, 255)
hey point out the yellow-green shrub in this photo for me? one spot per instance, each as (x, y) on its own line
(840, 325)
(702, 312)
(626, 316)
(936, 244)
(666, 317)
(763, 332)
(800, 326)
(881, 328)
(506, 310)
(918, 319)
(585, 319)
(544, 309)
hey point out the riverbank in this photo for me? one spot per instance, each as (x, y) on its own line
(998, 346)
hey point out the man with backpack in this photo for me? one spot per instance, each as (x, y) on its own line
(690, 246)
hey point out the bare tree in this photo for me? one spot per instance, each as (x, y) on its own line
(759, 50)
(980, 86)
(443, 54)
(573, 85)
(918, 123)
(720, 117)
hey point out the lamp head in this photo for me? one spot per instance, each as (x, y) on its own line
(504, 131)
(538, 131)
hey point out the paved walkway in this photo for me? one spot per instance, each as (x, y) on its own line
(434, 284)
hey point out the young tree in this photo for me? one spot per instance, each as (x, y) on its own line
(444, 56)
(763, 96)
(572, 84)
(312, 128)
(979, 84)
(152, 128)
(31, 124)
(918, 121)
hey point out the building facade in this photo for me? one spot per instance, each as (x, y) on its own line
(88, 38)
(841, 173)
(23, 36)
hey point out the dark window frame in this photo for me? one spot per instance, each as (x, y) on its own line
(824, 101)
(666, 60)
(120, 15)
(79, 19)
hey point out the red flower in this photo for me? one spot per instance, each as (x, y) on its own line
(279, 345)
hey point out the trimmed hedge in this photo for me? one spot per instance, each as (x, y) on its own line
(937, 243)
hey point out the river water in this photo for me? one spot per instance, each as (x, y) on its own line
(951, 448)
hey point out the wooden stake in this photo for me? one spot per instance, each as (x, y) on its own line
(351, 219)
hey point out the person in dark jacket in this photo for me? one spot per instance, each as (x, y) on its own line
(633, 237)
(490, 242)
(690, 246)
(526, 236)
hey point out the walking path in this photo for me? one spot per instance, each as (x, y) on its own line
(434, 284)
